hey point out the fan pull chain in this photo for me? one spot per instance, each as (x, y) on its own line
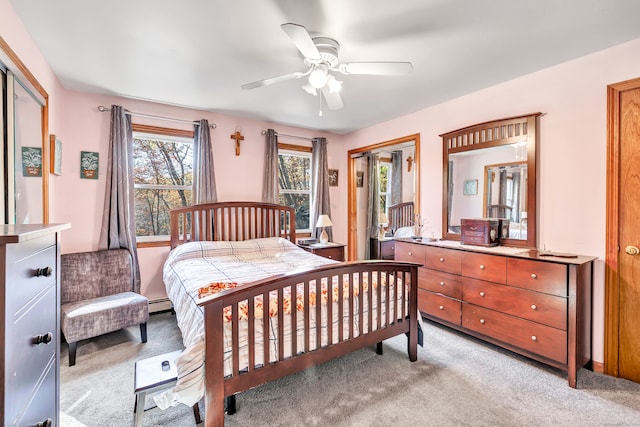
(320, 98)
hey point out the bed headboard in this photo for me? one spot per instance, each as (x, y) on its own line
(231, 221)
(401, 215)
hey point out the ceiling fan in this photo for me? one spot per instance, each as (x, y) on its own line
(321, 58)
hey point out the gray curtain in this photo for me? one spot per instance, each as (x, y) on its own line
(373, 202)
(270, 178)
(320, 185)
(204, 178)
(396, 177)
(118, 219)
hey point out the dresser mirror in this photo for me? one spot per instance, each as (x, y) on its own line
(489, 171)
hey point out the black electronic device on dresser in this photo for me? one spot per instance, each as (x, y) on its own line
(381, 248)
(30, 310)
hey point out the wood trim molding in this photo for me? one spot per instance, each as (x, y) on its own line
(161, 130)
(293, 147)
(611, 279)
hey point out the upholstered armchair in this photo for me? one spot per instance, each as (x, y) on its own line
(97, 296)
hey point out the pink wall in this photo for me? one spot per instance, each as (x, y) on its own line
(572, 165)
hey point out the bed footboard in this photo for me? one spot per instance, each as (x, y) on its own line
(309, 318)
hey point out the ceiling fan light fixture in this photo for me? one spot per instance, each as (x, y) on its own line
(318, 77)
(310, 89)
(335, 85)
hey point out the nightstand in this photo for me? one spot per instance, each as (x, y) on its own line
(330, 250)
(382, 248)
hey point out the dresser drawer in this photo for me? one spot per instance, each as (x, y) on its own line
(534, 337)
(441, 259)
(439, 306)
(484, 267)
(22, 282)
(542, 308)
(43, 405)
(444, 283)
(409, 252)
(539, 276)
(27, 360)
(387, 249)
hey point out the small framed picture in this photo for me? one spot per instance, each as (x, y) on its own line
(333, 177)
(55, 148)
(32, 161)
(470, 187)
(88, 165)
(360, 179)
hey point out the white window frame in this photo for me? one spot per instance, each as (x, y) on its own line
(306, 154)
(162, 137)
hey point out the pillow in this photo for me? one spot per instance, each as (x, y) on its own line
(404, 232)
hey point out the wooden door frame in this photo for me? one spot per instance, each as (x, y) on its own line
(611, 279)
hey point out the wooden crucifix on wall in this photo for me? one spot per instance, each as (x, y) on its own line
(238, 137)
(409, 163)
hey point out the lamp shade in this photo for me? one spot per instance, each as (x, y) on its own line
(382, 219)
(324, 221)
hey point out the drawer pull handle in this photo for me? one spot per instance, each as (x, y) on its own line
(410, 253)
(482, 321)
(481, 266)
(534, 307)
(482, 294)
(43, 339)
(441, 307)
(46, 423)
(534, 338)
(329, 256)
(534, 276)
(46, 272)
(441, 259)
(441, 283)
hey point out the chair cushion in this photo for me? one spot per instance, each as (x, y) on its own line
(90, 318)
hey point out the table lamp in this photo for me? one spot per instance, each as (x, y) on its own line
(383, 225)
(324, 222)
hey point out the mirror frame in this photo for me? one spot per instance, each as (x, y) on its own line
(351, 189)
(492, 134)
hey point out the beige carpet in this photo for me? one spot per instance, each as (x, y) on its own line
(456, 381)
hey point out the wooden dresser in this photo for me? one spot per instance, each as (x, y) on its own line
(30, 308)
(538, 306)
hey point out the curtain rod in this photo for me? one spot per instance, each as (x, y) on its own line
(103, 109)
(264, 132)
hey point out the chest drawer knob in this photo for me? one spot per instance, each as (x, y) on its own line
(410, 253)
(482, 294)
(43, 339)
(441, 307)
(534, 307)
(534, 276)
(329, 256)
(441, 259)
(481, 267)
(46, 423)
(482, 321)
(441, 283)
(534, 338)
(45, 271)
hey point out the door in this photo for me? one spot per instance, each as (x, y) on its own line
(622, 276)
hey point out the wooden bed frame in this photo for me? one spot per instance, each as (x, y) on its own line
(401, 215)
(247, 220)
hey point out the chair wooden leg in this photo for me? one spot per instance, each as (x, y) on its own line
(72, 353)
(379, 348)
(143, 331)
(196, 413)
(231, 404)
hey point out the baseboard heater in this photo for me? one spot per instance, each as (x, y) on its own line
(162, 304)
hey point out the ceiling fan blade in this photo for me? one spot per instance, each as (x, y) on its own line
(272, 80)
(334, 100)
(301, 38)
(377, 68)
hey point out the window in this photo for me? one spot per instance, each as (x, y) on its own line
(294, 174)
(163, 171)
(384, 177)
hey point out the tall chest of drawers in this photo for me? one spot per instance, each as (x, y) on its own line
(537, 306)
(30, 310)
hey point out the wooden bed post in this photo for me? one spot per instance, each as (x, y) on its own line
(214, 379)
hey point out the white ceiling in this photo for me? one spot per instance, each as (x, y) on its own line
(197, 53)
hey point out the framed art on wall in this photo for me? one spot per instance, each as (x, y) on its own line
(32, 161)
(470, 187)
(333, 177)
(55, 148)
(88, 165)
